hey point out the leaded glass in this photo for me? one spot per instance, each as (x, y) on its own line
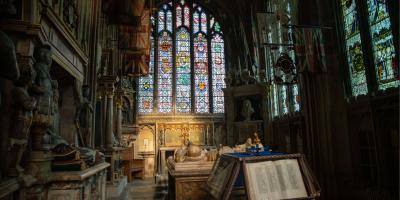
(164, 80)
(186, 16)
(183, 82)
(146, 86)
(354, 49)
(161, 20)
(218, 72)
(196, 22)
(203, 21)
(173, 64)
(169, 20)
(382, 42)
(201, 74)
(284, 100)
(178, 16)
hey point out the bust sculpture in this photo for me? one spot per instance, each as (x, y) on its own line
(247, 110)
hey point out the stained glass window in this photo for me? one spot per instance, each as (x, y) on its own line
(165, 73)
(386, 65)
(186, 76)
(201, 74)
(218, 72)
(354, 49)
(183, 82)
(146, 86)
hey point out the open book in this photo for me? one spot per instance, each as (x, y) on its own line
(279, 179)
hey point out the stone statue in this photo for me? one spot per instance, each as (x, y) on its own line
(23, 106)
(44, 83)
(189, 152)
(83, 117)
(247, 110)
(9, 72)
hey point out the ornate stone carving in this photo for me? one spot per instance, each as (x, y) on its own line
(24, 104)
(83, 117)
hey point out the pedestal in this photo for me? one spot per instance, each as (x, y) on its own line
(80, 185)
(148, 163)
(188, 180)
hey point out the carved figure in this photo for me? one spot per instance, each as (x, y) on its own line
(23, 106)
(247, 110)
(9, 72)
(43, 81)
(189, 152)
(83, 116)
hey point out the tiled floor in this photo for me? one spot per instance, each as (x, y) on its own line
(145, 190)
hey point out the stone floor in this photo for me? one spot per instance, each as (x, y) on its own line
(145, 190)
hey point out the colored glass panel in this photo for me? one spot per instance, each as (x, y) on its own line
(201, 74)
(386, 64)
(146, 86)
(169, 20)
(186, 16)
(354, 49)
(165, 73)
(218, 72)
(161, 20)
(196, 22)
(183, 69)
(178, 16)
(203, 21)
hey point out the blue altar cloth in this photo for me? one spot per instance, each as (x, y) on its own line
(254, 154)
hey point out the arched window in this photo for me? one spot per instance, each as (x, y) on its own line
(377, 34)
(187, 62)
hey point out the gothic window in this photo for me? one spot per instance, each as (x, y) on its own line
(187, 63)
(385, 64)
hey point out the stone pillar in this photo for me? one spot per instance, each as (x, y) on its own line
(119, 95)
(108, 88)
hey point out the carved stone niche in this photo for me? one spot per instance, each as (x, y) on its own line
(246, 113)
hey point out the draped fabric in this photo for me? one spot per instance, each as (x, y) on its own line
(309, 48)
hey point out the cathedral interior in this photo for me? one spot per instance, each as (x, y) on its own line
(199, 99)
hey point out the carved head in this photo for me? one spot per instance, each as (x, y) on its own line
(43, 54)
(85, 91)
(9, 68)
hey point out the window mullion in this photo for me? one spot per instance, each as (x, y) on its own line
(210, 75)
(367, 47)
(155, 65)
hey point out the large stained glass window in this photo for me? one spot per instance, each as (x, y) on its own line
(353, 47)
(188, 62)
(382, 41)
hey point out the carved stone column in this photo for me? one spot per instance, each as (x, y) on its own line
(108, 88)
(119, 93)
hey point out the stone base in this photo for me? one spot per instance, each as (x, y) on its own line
(114, 190)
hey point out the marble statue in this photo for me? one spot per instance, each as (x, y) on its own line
(247, 110)
(24, 104)
(83, 116)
